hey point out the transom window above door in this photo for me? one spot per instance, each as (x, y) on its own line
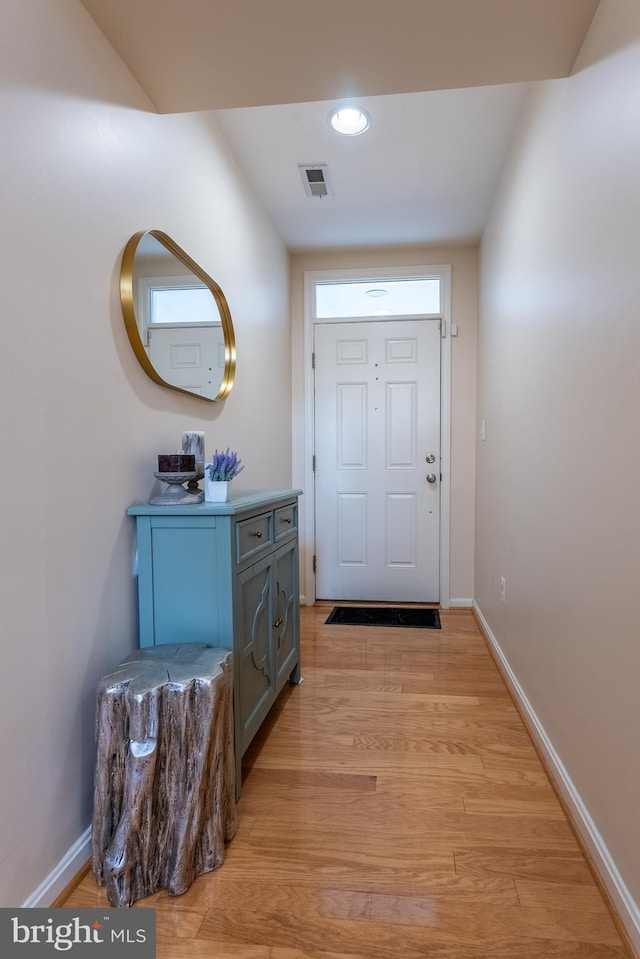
(401, 297)
(175, 302)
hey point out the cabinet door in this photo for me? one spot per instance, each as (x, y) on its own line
(256, 678)
(286, 611)
(184, 570)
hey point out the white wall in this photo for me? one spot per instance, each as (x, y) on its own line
(464, 306)
(84, 164)
(559, 386)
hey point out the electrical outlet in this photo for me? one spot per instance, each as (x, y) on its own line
(503, 590)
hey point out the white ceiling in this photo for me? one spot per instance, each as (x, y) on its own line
(425, 171)
(443, 80)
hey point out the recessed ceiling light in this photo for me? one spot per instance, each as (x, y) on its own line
(349, 121)
(377, 292)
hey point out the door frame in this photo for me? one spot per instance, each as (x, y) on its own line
(311, 278)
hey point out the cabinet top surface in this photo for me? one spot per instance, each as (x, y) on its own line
(238, 502)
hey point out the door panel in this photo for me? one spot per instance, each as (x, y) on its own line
(254, 665)
(351, 529)
(401, 446)
(352, 425)
(192, 358)
(402, 523)
(286, 610)
(377, 417)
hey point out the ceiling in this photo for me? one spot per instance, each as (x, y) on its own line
(443, 80)
(425, 171)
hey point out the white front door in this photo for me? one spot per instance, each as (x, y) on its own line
(377, 448)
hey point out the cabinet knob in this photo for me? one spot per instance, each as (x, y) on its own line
(278, 623)
(258, 534)
(286, 519)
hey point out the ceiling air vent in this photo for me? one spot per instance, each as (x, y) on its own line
(315, 177)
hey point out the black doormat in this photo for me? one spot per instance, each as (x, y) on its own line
(385, 616)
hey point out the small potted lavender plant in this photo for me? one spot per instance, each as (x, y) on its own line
(219, 473)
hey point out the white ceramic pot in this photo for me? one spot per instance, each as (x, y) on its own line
(216, 491)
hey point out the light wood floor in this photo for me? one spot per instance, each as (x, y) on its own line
(393, 808)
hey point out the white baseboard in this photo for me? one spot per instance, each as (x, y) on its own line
(57, 880)
(625, 904)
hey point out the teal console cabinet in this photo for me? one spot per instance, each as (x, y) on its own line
(226, 574)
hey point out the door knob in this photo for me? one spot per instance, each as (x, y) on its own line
(431, 458)
(431, 478)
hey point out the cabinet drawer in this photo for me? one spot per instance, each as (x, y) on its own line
(253, 535)
(285, 520)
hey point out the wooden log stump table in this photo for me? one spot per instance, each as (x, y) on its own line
(164, 788)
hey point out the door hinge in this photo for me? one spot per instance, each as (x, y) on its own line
(313, 361)
(314, 564)
(443, 329)
(313, 463)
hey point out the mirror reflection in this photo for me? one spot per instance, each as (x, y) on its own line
(177, 318)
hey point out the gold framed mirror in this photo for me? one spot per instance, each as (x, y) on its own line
(177, 318)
